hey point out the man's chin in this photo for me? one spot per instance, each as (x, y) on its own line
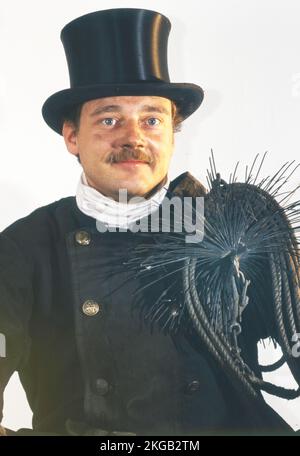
(132, 192)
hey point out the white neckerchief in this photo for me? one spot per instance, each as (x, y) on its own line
(113, 213)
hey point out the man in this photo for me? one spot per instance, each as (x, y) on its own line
(87, 363)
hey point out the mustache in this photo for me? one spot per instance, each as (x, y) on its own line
(128, 153)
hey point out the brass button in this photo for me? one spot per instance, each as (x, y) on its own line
(194, 386)
(83, 237)
(90, 307)
(102, 386)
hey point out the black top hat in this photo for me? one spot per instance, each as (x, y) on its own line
(117, 52)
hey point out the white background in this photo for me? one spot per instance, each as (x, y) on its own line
(244, 53)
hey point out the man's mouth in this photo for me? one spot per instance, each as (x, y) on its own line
(132, 162)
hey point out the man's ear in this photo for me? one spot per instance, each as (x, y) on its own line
(69, 133)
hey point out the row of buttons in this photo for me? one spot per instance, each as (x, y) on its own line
(91, 308)
(103, 387)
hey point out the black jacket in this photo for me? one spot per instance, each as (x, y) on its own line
(107, 369)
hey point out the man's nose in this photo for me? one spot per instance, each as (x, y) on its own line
(132, 135)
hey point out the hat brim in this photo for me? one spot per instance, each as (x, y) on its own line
(187, 97)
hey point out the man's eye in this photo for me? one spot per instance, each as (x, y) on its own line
(109, 121)
(153, 121)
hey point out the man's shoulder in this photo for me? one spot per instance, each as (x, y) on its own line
(42, 221)
(187, 185)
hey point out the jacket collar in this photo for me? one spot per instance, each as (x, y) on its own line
(183, 185)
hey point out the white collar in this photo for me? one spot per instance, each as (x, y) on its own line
(113, 213)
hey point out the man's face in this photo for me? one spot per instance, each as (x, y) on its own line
(123, 142)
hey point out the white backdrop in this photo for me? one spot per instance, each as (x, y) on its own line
(244, 53)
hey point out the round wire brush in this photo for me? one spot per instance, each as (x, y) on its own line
(240, 282)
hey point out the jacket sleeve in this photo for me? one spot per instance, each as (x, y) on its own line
(15, 311)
